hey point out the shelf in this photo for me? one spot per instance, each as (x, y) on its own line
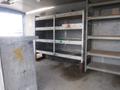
(62, 28)
(68, 42)
(74, 13)
(45, 52)
(44, 17)
(69, 56)
(44, 28)
(44, 40)
(104, 3)
(107, 68)
(68, 52)
(59, 41)
(104, 37)
(104, 17)
(107, 54)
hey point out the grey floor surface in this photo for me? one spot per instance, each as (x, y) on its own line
(52, 75)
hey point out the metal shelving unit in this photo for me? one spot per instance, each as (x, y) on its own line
(102, 36)
(67, 34)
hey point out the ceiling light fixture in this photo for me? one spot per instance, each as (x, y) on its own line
(40, 10)
(38, 0)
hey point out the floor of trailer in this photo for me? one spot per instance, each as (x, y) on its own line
(53, 75)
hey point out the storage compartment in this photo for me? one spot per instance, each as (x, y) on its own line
(44, 46)
(71, 22)
(68, 35)
(68, 49)
(44, 34)
(44, 23)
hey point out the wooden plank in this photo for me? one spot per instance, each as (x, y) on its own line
(104, 37)
(102, 53)
(108, 68)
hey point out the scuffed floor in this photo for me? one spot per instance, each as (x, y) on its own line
(52, 75)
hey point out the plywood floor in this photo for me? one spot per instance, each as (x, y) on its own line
(53, 75)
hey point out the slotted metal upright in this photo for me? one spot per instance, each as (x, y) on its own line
(64, 39)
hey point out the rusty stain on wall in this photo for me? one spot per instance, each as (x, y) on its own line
(18, 53)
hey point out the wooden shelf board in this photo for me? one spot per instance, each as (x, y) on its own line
(108, 68)
(43, 28)
(101, 53)
(104, 37)
(62, 28)
(104, 17)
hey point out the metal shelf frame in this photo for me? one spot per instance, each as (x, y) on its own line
(64, 42)
(89, 50)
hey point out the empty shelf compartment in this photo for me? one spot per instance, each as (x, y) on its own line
(68, 35)
(44, 46)
(44, 23)
(44, 34)
(108, 68)
(102, 53)
(69, 53)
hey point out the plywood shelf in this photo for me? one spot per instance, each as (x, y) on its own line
(104, 37)
(45, 52)
(68, 55)
(44, 40)
(43, 28)
(44, 18)
(68, 42)
(103, 17)
(108, 68)
(62, 28)
(101, 53)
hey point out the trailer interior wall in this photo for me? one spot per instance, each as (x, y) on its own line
(30, 19)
